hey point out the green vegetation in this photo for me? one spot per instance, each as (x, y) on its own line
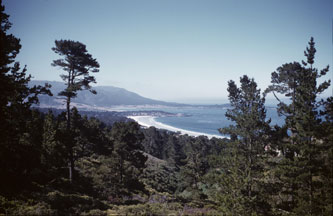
(245, 165)
(122, 169)
(78, 64)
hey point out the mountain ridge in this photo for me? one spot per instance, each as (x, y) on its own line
(107, 96)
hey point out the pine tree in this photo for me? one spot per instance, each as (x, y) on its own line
(128, 158)
(231, 178)
(196, 163)
(53, 152)
(154, 143)
(326, 134)
(299, 170)
(249, 133)
(16, 98)
(77, 63)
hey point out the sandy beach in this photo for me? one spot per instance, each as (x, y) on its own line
(149, 121)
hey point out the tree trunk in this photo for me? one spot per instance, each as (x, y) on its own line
(71, 165)
(250, 169)
(69, 144)
(121, 170)
(310, 179)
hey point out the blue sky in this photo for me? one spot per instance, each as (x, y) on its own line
(174, 50)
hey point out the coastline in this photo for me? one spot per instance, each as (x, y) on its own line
(149, 121)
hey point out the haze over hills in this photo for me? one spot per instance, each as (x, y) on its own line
(107, 96)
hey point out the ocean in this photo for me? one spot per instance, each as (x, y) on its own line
(204, 119)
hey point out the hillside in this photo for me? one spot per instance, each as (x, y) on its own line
(107, 96)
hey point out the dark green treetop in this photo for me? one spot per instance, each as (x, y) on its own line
(290, 78)
(16, 99)
(127, 155)
(245, 160)
(78, 64)
(301, 169)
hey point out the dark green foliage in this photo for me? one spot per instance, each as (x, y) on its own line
(128, 156)
(302, 169)
(326, 189)
(243, 166)
(89, 136)
(177, 155)
(154, 143)
(166, 145)
(184, 164)
(107, 117)
(117, 173)
(194, 168)
(231, 178)
(160, 176)
(258, 171)
(73, 204)
(167, 208)
(19, 142)
(78, 64)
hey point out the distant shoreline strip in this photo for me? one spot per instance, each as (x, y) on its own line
(149, 121)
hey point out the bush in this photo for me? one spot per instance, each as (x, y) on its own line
(143, 209)
(73, 203)
(29, 207)
(161, 209)
(94, 212)
(37, 209)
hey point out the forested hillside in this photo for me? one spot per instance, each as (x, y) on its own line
(66, 163)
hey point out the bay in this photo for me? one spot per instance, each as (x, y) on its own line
(204, 119)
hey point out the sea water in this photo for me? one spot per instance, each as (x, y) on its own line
(206, 119)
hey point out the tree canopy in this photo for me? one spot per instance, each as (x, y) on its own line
(124, 169)
(78, 64)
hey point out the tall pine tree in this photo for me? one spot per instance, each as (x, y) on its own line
(77, 64)
(16, 98)
(249, 134)
(128, 158)
(301, 166)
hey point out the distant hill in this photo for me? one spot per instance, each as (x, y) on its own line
(107, 96)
